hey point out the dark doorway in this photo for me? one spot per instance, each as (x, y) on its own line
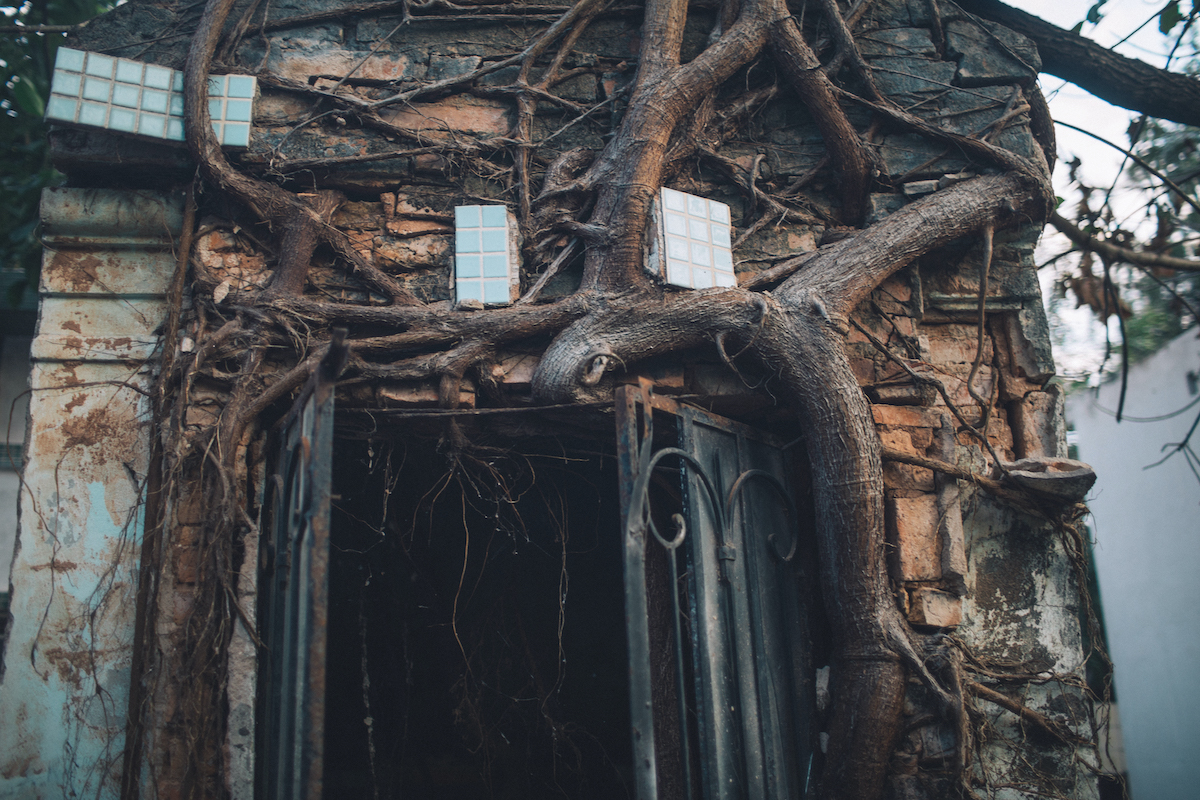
(476, 639)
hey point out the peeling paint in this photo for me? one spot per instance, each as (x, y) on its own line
(66, 683)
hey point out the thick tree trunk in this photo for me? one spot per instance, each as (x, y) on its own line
(796, 336)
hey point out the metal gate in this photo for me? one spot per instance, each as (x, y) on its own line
(741, 722)
(295, 575)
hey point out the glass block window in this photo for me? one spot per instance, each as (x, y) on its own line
(693, 247)
(485, 254)
(127, 96)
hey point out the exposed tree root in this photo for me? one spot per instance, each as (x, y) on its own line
(795, 333)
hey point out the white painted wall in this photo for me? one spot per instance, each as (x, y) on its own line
(1146, 524)
(65, 690)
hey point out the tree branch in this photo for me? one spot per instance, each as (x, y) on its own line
(1125, 82)
(846, 272)
(268, 201)
(845, 146)
(1116, 252)
(1050, 726)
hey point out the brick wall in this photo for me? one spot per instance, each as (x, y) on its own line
(963, 563)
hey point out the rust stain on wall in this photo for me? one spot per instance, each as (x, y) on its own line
(56, 565)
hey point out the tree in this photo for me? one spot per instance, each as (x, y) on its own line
(619, 316)
(27, 49)
(1139, 266)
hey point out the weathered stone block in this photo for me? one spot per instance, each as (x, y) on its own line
(989, 53)
(913, 524)
(516, 371)
(957, 344)
(890, 41)
(417, 395)
(187, 564)
(906, 416)
(934, 608)
(443, 67)
(880, 204)
(183, 600)
(903, 393)
(906, 477)
(478, 116)
(1037, 422)
(904, 78)
(917, 188)
(898, 439)
(913, 156)
(863, 369)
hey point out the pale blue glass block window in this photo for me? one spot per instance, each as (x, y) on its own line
(493, 240)
(68, 59)
(468, 266)
(495, 265)
(494, 216)
(123, 120)
(158, 77)
(152, 125)
(96, 89)
(128, 96)
(236, 134)
(496, 291)
(93, 114)
(466, 241)
(694, 243)
(63, 108)
(130, 71)
(67, 83)
(467, 216)
(156, 102)
(237, 110)
(241, 86)
(100, 66)
(469, 290)
(485, 254)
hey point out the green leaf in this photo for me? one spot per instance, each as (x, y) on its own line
(1169, 17)
(1094, 15)
(27, 97)
(1079, 25)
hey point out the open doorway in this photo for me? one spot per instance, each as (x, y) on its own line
(540, 604)
(476, 642)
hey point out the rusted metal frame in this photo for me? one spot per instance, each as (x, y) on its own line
(634, 425)
(296, 568)
(746, 636)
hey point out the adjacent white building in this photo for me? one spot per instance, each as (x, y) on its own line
(1146, 525)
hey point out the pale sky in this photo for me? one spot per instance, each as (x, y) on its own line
(1079, 337)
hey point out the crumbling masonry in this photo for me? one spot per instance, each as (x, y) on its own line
(982, 561)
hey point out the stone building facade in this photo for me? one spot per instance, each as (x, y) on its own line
(96, 680)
